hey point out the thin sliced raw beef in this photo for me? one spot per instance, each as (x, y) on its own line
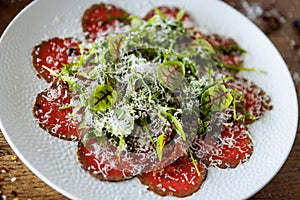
(227, 49)
(178, 179)
(101, 159)
(228, 149)
(52, 111)
(216, 41)
(171, 12)
(102, 19)
(104, 160)
(257, 101)
(53, 54)
(146, 156)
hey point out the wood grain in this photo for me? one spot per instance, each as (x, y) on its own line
(18, 182)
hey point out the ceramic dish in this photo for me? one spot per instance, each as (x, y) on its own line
(54, 160)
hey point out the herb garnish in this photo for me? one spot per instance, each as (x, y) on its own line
(153, 71)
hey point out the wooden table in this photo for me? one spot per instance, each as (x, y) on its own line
(18, 182)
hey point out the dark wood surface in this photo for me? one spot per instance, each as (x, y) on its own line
(276, 20)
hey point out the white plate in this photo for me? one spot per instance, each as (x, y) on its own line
(54, 160)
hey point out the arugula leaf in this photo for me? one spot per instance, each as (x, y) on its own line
(136, 22)
(231, 49)
(194, 162)
(205, 45)
(120, 146)
(160, 143)
(65, 107)
(72, 68)
(175, 123)
(180, 15)
(238, 67)
(160, 13)
(51, 71)
(238, 103)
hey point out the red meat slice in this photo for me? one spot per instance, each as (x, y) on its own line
(232, 147)
(146, 156)
(102, 19)
(102, 160)
(195, 34)
(225, 52)
(53, 54)
(217, 41)
(52, 116)
(256, 100)
(178, 179)
(171, 13)
(232, 60)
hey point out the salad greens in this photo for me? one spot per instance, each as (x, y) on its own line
(152, 74)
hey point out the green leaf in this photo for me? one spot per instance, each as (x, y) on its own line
(103, 97)
(115, 45)
(206, 46)
(72, 68)
(136, 22)
(180, 15)
(160, 13)
(51, 71)
(231, 49)
(144, 124)
(67, 70)
(88, 136)
(65, 107)
(120, 146)
(216, 98)
(238, 104)
(239, 68)
(160, 143)
(126, 119)
(171, 74)
(82, 125)
(73, 85)
(194, 162)
(175, 123)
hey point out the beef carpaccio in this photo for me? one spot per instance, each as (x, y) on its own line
(149, 97)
